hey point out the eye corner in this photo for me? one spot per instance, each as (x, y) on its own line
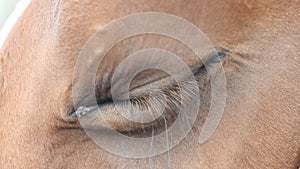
(222, 53)
(67, 121)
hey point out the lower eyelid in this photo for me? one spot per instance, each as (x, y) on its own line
(107, 116)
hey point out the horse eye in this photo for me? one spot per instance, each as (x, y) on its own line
(149, 106)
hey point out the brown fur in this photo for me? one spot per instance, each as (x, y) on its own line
(260, 127)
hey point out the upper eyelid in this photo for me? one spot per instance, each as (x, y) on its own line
(214, 57)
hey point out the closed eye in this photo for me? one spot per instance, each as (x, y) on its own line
(149, 106)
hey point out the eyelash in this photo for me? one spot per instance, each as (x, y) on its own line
(172, 96)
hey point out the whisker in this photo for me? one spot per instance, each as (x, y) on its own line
(151, 147)
(168, 145)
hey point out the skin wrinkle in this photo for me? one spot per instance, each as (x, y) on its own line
(260, 126)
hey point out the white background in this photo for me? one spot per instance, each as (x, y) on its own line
(6, 7)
